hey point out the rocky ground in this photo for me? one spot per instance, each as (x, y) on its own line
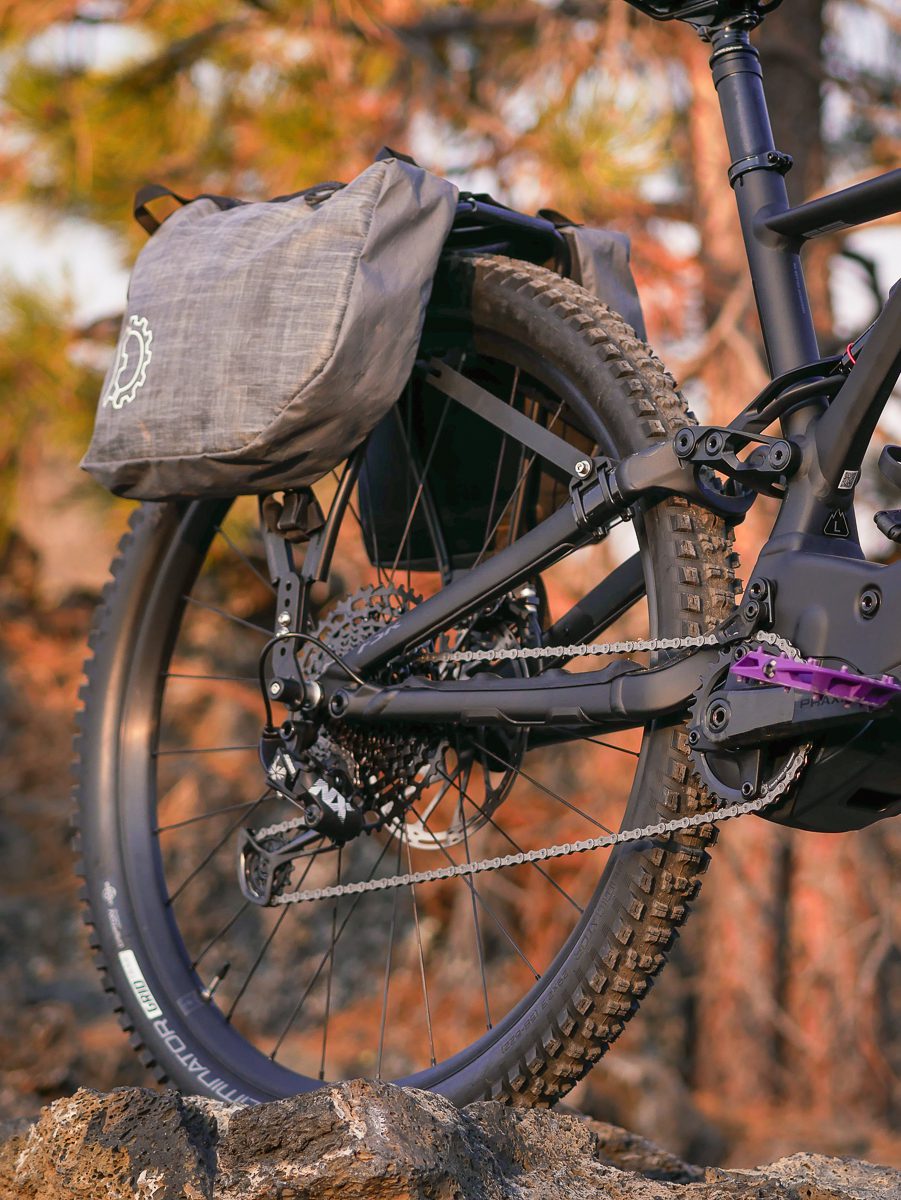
(367, 1141)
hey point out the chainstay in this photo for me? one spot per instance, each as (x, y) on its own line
(770, 793)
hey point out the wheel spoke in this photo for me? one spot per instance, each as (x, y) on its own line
(543, 787)
(355, 513)
(203, 750)
(245, 560)
(527, 467)
(173, 896)
(256, 962)
(267, 944)
(331, 968)
(350, 912)
(217, 812)
(212, 678)
(425, 989)
(612, 746)
(227, 616)
(394, 899)
(481, 900)
(472, 897)
(222, 932)
(405, 537)
(519, 850)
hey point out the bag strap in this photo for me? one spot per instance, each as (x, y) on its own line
(313, 195)
(143, 196)
(388, 152)
(155, 191)
(565, 264)
(557, 219)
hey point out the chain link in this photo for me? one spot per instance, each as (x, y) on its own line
(578, 651)
(770, 792)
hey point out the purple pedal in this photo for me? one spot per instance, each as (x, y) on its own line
(781, 671)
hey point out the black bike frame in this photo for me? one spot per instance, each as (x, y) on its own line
(828, 438)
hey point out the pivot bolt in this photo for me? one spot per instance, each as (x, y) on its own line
(869, 602)
(750, 610)
(747, 789)
(756, 590)
(713, 443)
(717, 715)
(684, 443)
(583, 468)
(288, 691)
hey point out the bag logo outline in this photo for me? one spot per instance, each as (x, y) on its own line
(134, 348)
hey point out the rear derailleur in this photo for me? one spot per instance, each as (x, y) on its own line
(321, 786)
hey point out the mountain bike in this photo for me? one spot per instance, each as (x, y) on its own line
(414, 775)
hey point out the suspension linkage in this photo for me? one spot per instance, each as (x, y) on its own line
(686, 465)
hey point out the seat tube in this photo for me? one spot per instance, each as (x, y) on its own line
(757, 178)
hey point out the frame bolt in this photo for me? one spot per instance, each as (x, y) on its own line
(684, 443)
(718, 715)
(869, 602)
(284, 619)
(747, 789)
(583, 468)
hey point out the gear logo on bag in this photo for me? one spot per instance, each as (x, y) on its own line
(131, 367)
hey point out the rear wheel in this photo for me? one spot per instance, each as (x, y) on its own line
(508, 985)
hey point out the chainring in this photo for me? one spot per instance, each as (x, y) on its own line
(732, 776)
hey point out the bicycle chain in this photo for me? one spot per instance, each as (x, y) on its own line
(770, 792)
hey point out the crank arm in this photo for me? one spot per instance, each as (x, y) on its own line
(749, 716)
(619, 697)
(791, 699)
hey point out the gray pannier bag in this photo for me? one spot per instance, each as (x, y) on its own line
(596, 259)
(262, 342)
(599, 262)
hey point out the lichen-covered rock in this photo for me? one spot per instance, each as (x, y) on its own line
(817, 1177)
(13, 1135)
(130, 1143)
(372, 1141)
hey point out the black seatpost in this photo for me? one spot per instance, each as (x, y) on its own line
(756, 176)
